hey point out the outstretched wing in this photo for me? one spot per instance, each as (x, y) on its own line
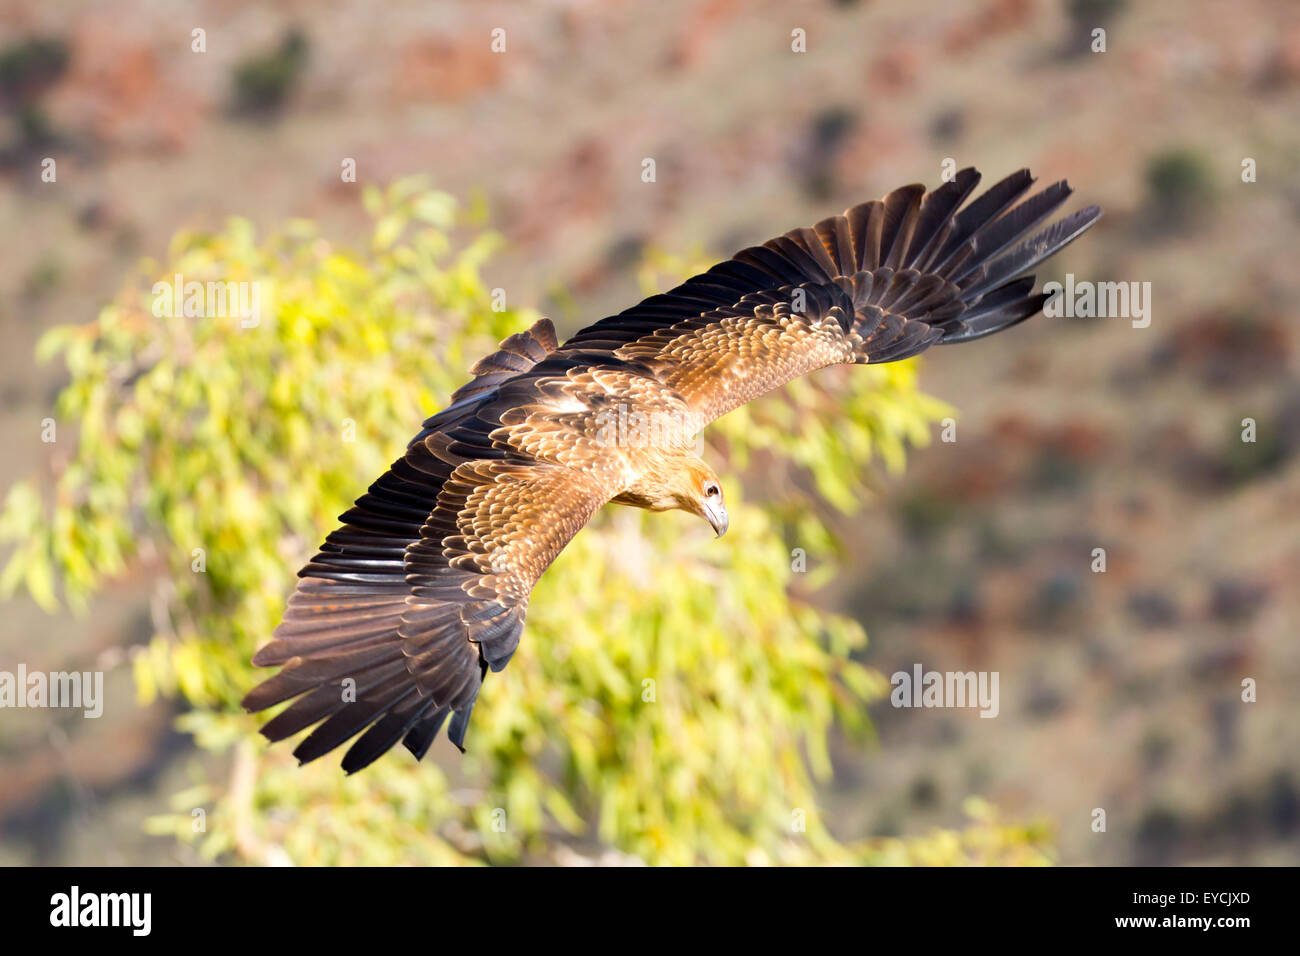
(882, 282)
(420, 656)
(399, 616)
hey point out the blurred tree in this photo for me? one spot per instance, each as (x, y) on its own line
(673, 698)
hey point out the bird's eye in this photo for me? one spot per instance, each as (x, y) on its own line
(712, 491)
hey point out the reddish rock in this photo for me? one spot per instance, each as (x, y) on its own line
(996, 18)
(446, 70)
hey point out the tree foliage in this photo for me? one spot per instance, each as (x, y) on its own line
(673, 697)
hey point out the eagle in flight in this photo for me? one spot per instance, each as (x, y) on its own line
(406, 607)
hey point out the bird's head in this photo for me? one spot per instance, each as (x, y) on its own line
(700, 493)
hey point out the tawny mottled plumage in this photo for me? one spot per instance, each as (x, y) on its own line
(424, 588)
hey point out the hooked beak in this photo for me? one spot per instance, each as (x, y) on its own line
(716, 515)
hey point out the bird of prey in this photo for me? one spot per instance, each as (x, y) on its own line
(398, 618)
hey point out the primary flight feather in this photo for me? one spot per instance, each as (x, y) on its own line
(424, 589)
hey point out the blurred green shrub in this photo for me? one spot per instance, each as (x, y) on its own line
(1093, 13)
(1240, 462)
(263, 82)
(1178, 187)
(672, 701)
(1085, 16)
(30, 66)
